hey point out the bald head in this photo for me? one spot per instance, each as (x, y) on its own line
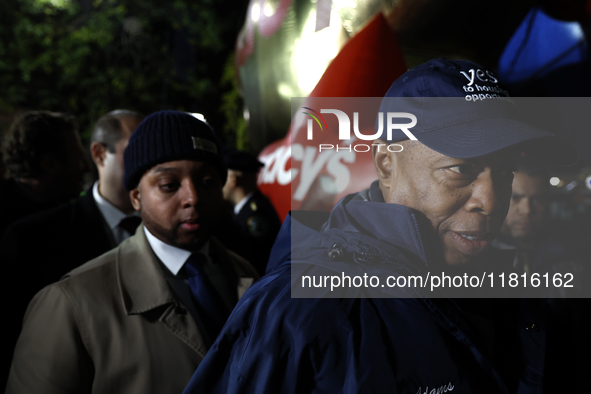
(114, 126)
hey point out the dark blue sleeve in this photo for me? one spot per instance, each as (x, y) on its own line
(257, 350)
(275, 344)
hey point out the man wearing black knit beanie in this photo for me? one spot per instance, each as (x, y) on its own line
(140, 318)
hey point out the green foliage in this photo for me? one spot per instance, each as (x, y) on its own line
(235, 129)
(88, 57)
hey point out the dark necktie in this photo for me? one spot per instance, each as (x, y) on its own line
(130, 223)
(209, 303)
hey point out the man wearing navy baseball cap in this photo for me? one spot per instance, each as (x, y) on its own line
(140, 318)
(372, 321)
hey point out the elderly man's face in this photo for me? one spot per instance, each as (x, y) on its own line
(465, 200)
(180, 202)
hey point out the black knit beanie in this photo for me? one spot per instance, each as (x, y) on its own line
(168, 136)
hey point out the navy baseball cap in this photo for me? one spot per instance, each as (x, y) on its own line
(241, 161)
(464, 112)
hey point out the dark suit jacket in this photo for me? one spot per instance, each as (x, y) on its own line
(16, 203)
(45, 246)
(260, 224)
(41, 248)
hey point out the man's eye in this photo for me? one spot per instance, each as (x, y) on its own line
(169, 186)
(463, 169)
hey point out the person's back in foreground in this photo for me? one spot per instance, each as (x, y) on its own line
(435, 208)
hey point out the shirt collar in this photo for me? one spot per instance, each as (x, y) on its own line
(112, 215)
(172, 257)
(242, 202)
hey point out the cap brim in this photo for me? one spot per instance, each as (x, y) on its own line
(485, 136)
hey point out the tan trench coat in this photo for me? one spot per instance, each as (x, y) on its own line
(113, 325)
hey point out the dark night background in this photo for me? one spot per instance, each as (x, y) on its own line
(88, 57)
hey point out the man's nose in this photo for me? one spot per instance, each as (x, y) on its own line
(190, 195)
(525, 206)
(488, 194)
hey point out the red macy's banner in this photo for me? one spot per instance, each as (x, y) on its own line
(296, 175)
(325, 48)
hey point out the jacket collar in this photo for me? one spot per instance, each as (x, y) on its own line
(392, 226)
(141, 282)
(101, 234)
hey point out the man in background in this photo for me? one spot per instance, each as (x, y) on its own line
(109, 139)
(254, 213)
(525, 227)
(45, 162)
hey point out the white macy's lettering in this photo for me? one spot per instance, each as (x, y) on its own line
(310, 163)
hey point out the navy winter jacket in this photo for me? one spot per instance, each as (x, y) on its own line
(274, 343)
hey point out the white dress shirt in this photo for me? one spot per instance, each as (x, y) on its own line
(112, 215)
(241, 203)
(172, 257)
(175, 258)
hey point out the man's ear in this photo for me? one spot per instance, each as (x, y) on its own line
(135, 196)
(98, 152)
(383, 161)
